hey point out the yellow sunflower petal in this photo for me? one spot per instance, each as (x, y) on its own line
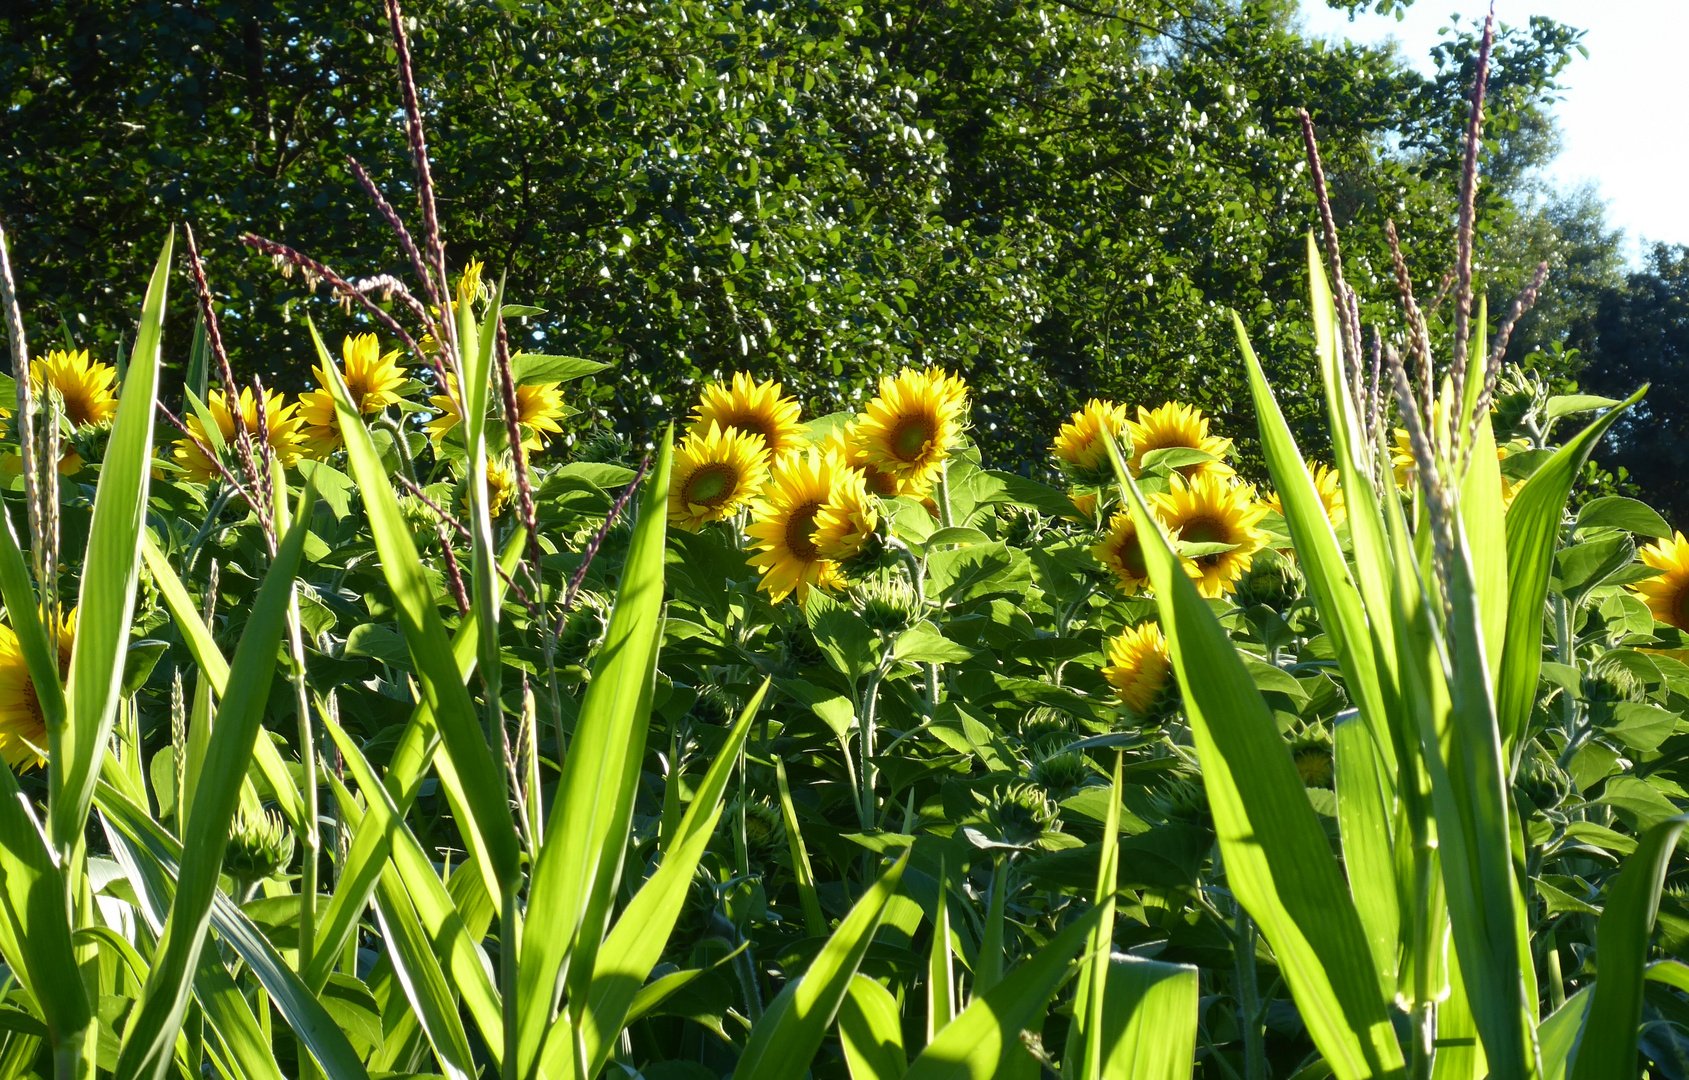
(1209, 509)
(1138, 666)
(908, 430)
(1175, 425)
(752, 407)
(716, 472)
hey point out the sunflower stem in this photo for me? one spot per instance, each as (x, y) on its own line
(944, 517)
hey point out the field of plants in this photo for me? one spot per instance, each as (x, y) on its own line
(370, 733)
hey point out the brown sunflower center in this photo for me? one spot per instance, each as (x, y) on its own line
(881, 483)
(911, 436)
(1206, 531)
(712, 485)
(1681, 606)
(800, 532)
(1132, 557)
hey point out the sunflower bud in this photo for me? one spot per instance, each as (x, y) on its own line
(1271, 580)
(888, 604)
(260, 846)
(1016, 818)
(1061, 775)
(1316, 763)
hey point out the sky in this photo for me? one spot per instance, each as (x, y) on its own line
(1624, 118)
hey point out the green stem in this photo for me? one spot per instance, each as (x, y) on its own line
(1249, 998)
(312, 840)
(943, 493)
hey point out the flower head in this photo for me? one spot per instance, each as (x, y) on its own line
(716, 472)
(539, 407)
(501, 484)
(1121, 553)
(1213, 510)
(1079, 446)
(1328, 485)
(1667, 595)
(849, 445)
(23, 728)
(281, 419)
(847, 519)
(1138, 666)
(753, 408)
(910, 427)
(788, 557)
(85, 386)
(1175, 425)
(372, 378)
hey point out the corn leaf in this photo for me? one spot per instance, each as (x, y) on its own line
(151, 1034)
(1149, 1021)
(110, 571)
(784, 1041)
(1277, 859)
(813, 921)
(1363, 822)
(636, 943)
(484, 818)
(1089, 1003)
(871, 1032)
(594, 796)
(1608, 1046)
(984, 1041)
(941, 969)
(24, 613)
(1558, 1034)
(1533, 536)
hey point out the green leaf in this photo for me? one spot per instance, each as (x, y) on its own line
(813, 920)
(1090, 1004)
(1277, 858)
(871, 1032)
(529, 369)
(784, 1041)
(923, 644)
(1533, 534)
(484, 818)
(1618, 512)
(110, 571)
(150, 1038)
(636, 943)
(1149, 1020)
(24, 613)
(1608, 1047)
(1363, 820)
(1569, 404)
(590, 814)
(984, 1041)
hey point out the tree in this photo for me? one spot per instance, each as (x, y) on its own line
(1056, 199)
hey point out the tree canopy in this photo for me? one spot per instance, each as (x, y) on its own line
(1053, 198)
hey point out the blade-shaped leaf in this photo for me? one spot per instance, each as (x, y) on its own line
(1278, 861)
(594, 794)
(870, 1032)
(636, 943)
(984, 1040)
(1608, 1047)
(784, 1041)
(1150, 1020)
(485, 820)
(1368, 849)
(110, 570)
(151, 1035)
(1533, 536)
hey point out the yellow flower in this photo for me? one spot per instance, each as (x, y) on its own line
(910, 427)
(847, 444)
(1402, 461)
(538, 408)
(1138, 666)
(1213, 510)
(469, 283)
(501, 485)
(23, 729)
(1085, 504)
(1079, 445)
(1176, 425)
(1667, 596)
(1121, 553)
(847, 519)
(373, 379)
(788, 558)
(754, 408)
(1328, 484)
(715, 473)
(85, 386)
(281, 418)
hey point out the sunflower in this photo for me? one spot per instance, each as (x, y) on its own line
(1402, 461)
(715, 473)
(1084, 505)
(909, 428)
(372, 378)
(85, 386)
(23, 729)
(754, 408)
(280, 418)
(1328, 485)
(1509, 486)
(1213, 510)
(800, 486)
(1079, 445)
(847, 519)
(501, 484)
(1176, 425)
(538, 408)
(1138, 666)
(848, 444)
(1121, 553)
(1667, 596)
